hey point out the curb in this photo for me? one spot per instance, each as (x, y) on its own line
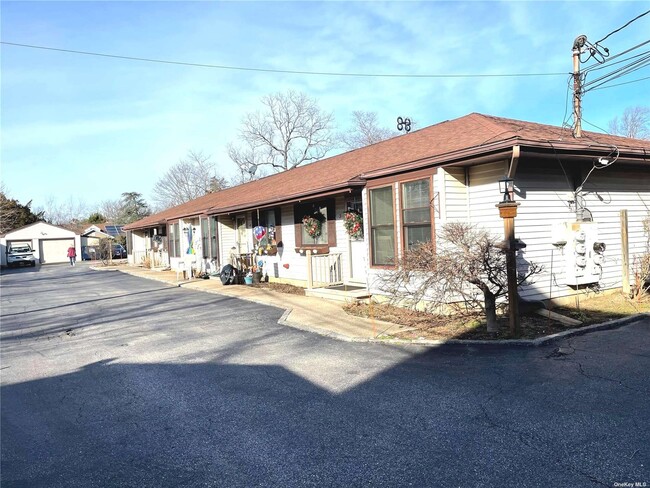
(540, 341)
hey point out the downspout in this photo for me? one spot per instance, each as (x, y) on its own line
(514, 161)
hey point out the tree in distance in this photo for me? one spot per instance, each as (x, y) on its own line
(132, 207)
(635, 123)
(290, 130)
(364, 131)
(188, 179)
(14, 215)
(96, 218)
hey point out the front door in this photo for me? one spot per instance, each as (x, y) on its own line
(242, 240)
(356, 247)
(357, 261)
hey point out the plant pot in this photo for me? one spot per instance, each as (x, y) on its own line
(248, 280)
(257, 276)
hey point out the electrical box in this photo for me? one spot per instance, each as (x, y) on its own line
(584, 254)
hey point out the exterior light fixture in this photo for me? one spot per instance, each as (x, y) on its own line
(507, 189)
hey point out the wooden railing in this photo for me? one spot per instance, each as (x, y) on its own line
(151, 258)
(323, 269)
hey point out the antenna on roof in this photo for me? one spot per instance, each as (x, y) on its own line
(404, 124)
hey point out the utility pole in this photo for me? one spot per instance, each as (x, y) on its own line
(578, 44)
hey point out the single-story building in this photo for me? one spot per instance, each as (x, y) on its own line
(49, 242)
(574, 192)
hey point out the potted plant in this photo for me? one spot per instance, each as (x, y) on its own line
(353, 223)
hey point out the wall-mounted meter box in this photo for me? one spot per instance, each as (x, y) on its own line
(583, 252)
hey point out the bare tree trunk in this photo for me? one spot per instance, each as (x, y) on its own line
(490, 311)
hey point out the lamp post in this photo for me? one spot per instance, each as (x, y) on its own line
(508, 211)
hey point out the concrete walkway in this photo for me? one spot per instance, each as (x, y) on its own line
(308, 313)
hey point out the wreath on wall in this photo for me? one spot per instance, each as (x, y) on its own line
(312, 225)
(353, 223)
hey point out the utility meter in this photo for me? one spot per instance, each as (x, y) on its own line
(583, 253)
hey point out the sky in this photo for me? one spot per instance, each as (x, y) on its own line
(87, 128)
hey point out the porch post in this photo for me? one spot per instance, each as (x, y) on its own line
(310, 278)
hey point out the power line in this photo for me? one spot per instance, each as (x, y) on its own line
(608, 62)
(619, 84)
(623, 27)
(632, 67)
(282, 71)
(628, 68)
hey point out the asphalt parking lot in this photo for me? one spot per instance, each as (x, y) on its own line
(113, 380)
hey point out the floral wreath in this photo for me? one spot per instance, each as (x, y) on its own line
(353, 223)
(312, 225)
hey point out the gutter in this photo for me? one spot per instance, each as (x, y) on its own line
(297, 197)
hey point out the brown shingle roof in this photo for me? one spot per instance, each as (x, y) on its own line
(445, 141)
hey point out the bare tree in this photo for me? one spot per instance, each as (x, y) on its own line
(71, 211)
(364, 131)
(635, 123)
(188, 179)
(466, 271)
(110, 209)
(290, 130)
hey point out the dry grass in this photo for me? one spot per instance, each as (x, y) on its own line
(281, 288)
(422, 325)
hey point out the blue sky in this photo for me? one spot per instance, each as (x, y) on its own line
(89, 128)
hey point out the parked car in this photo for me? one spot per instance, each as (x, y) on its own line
(18, 254)
(119, 252)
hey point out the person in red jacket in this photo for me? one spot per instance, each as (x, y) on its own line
(72, 254)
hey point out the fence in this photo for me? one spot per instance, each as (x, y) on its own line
(323, 270)
(151, 258)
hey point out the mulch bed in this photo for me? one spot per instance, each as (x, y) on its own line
(422, 325)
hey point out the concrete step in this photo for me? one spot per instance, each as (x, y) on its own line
(340, 293)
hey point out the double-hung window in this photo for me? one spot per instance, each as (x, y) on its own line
(382, 227)
(416, 213)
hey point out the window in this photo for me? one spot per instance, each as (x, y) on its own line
(416, 213)
(174, 241)
(205, 237)
(382, 228)
(214, 251)
(269, 219)
(319, 212)
(323, 211)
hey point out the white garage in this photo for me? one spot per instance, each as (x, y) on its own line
(55, 250)
(49, 242)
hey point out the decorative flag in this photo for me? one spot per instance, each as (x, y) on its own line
(259, 232)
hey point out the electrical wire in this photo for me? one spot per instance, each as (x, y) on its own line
(619, 84)
(617, 74)
(608, 63)
(594, 125)
(283, 71)
(623, 27)
(630, 67)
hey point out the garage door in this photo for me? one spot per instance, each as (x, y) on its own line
(55, 250)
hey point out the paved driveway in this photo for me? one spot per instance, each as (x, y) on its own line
(112, 380)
